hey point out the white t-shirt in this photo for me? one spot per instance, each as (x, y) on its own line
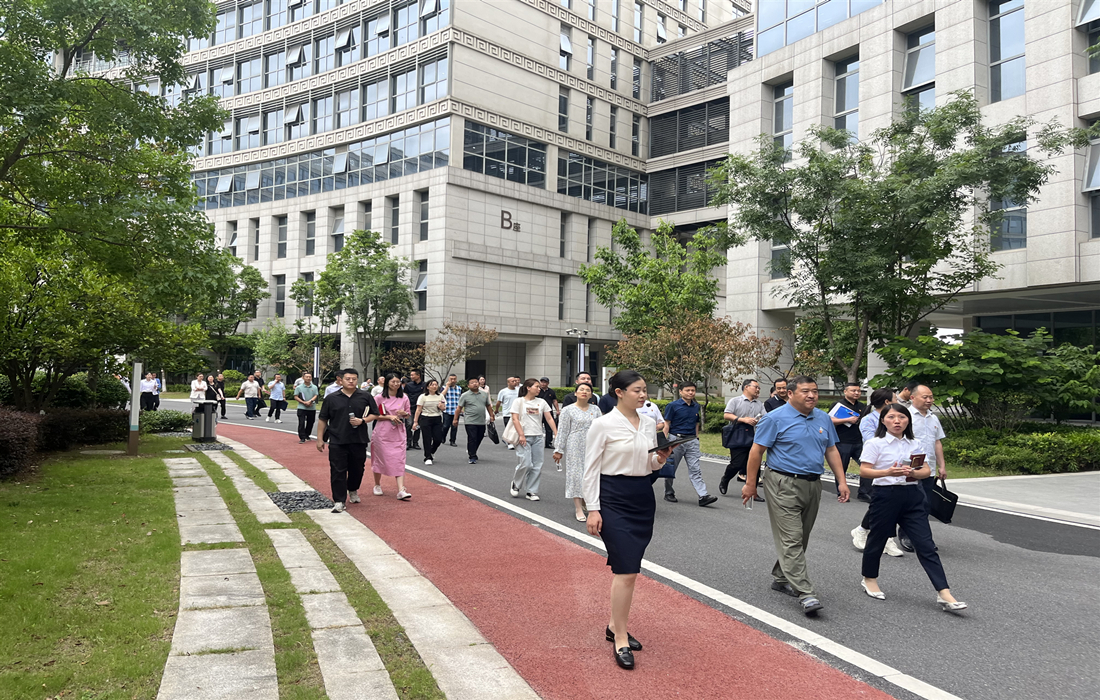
(882, 452)
(530, 413)
(376, 390)
(251, 389)
(927, 430)
(650, 409)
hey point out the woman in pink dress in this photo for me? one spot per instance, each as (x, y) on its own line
(387, 444)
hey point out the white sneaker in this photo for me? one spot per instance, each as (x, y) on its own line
(427, 462)
(513, 491)
(511, 447)
(353, 497)
(859, 538)
(403, 495)
(339, 508)
(893, 549)
(267, 420)
(377, 490)
(278, 421)
(532, 497)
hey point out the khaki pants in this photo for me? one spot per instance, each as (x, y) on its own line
(792, 509)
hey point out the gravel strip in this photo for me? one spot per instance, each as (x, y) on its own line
(295, 501)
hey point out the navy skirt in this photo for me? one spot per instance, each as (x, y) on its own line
(627, 506)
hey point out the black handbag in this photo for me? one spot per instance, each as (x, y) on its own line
(260, 404)
(942, 502)
(737, 435)
(491, 431)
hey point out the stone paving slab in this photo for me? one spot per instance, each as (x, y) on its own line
(294, 549)
(187, 473)
(223, 591)
(204, 517)
(197, 491)
(248, 675)
(203, 630)
(325, 610)
(183, 462)
(254, 497)
(216, 562)
(199, 503)
(313, 580)
(210, 534)
(409, 591)
(442, 625)
(279, 475)
(350, 665)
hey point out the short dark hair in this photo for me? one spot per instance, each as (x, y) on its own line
(386, 387)
(880, 431)
(853, 384)
(745, 384)
(583, 372)
(685, 385)
(878, 399)
(912, 386)
(775, 384)
(348, 370)
(801, 379)
(622, 379)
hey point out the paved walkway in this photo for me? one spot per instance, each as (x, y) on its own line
(1071, 497)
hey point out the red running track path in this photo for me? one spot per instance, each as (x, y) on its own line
(542, 600)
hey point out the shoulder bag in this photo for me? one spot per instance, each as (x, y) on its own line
(941, 502)
(510, 434)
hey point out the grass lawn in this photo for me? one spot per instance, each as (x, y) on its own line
(89, 576)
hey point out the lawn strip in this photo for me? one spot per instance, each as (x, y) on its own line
(89, 575)
(295, 660)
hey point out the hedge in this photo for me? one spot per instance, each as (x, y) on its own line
(1035, 449)
(64, 428)
(164, 421)
(18, 440)
(75, 392)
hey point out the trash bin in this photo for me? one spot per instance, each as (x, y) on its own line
(203, 423)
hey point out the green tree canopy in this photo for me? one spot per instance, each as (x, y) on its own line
(651, 285)
(876, 231)
(237, 296)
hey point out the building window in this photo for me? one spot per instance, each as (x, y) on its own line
(847, 96)
(563, 235)
(1094, 207)
(1006, 49)
(563, 110)
(222, 81)
(635, 136)
(274, 69)
(311, 232)
(504, 155)
(433, 81)
(612, 122)
(591, 239)
(307, 303)
(692, 127)
(588, 109)
(680, 189)
(395, 219)
(337, 232)
(424, 215)
(780, 260)
(347, 108)
(434, 15)
(783, 122)
(231, 238)
(298, 61)
(681, 31)
(592, 10)
(252, 19)
(662, 31)
(280, 295)
(587, 304)
(403, 92)
(347, 46)
(254, 231)
(322, 115)
(1010, 232)
(276, 13)
(614, 69)
(602, 183)
(561, 297)
(300, 9)
(273, 126)
(782, 23)
(377, 100)
(378, 34)
(918, 82)
(405, 24)
(615, 15)
(703, 11)
(324, 55)
(591, 58)
(248, 132)
(225, 29)
(1094, 39)
(421, 286)
(700, 67)
(565, 52)
(639, 18)
(636, 85)
(1092, 185)
(281, 234)
(222, 141)
(249, 76)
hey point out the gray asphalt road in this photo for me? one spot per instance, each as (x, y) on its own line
(1031, 631)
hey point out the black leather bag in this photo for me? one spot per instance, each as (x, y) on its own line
(491, 431)
(737, 435)
(942, 502)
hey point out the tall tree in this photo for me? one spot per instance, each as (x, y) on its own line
(875, 230)
(454, 343)
(271, 346)
(235, 303)
(370, 288)
(98, 230)
(651, 285)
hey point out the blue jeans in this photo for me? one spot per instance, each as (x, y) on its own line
(690, 452)
(529, 470)
(250, 407)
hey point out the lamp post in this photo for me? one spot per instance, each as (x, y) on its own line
(580, 334)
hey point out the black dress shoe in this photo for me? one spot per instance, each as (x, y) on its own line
(723, 486)
(741, 478)
(863, 497)
(670, 497)
(758, 499)
(906, 544)
(707, 500)
(453, 444)
(635, 645)
(625, 658)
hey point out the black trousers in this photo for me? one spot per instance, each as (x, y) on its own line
(848, 452)
(433, 434)
(276, 407)
(906, 506)
(739, 462)
(305, 423)
(549, 434)
(412, 437)
(346, 464)
(474, 435)
(221, 402)
(147, 401)
(448, 422)
(927, 484)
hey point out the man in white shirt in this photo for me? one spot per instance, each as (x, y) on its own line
(927, 431)
(337, 384)
(505, 397)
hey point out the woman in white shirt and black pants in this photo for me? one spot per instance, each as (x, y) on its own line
(619, 472)
(899, 499)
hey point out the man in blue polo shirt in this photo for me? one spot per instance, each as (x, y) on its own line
(799, 438)
(683, 418)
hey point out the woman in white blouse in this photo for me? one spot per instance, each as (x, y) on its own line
(898, 499)
(619, 471)
(198, 388)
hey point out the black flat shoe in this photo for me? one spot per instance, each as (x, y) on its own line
(723, 486)
(670, 497)
(625, 658)
(635, 645)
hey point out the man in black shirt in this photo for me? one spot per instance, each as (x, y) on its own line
(850, 440)
(219, 384)
(343, 415)
(778, 397)
(551, 398)
(413, 389)
(571, 397)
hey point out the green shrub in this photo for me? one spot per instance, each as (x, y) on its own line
(1042, 449)
(64, 428)
(5, 391)
(18, 440)
(233, 376)
(164, 421)
(75, 392)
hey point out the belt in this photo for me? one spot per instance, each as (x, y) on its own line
(684, 434)
(804, 477)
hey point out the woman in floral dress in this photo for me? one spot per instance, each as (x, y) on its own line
(575, 421)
